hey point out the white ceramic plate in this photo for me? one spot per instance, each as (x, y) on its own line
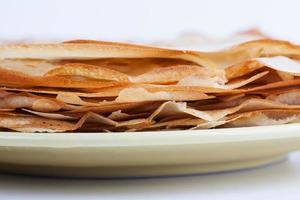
(146, 153)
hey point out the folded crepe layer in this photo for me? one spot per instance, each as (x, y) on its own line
(176, 108)
(291, 97)
(25, 100)
(109, 108)
(48, 115)
(88, 71)
(131, 66)
(133, 95)
(170, 74)
(278, 63)
(193, 123)
(265, 117)
(253, 118)
(99, 49)
(200, 81)
(142, 95)
(274, 85)
(93, 50)
(104, 71)
(227, 104)
(27, 123)
(121, 116)
(115, 90)
(252, 49)
(173, 73)
(41, 69)
(11, 78)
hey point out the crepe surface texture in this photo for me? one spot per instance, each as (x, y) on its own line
(96, 86)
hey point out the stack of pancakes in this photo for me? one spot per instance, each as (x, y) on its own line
(93, 86)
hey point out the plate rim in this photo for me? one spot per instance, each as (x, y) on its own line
(151, 138)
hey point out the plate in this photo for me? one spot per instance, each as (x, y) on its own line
(142, 154)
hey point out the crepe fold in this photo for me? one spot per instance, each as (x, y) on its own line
(95, 86)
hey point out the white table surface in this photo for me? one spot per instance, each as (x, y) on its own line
(276, 181)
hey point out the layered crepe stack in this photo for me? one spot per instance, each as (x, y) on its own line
(92, 86)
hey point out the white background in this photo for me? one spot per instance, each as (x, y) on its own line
(131, 19)
(152, 20)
